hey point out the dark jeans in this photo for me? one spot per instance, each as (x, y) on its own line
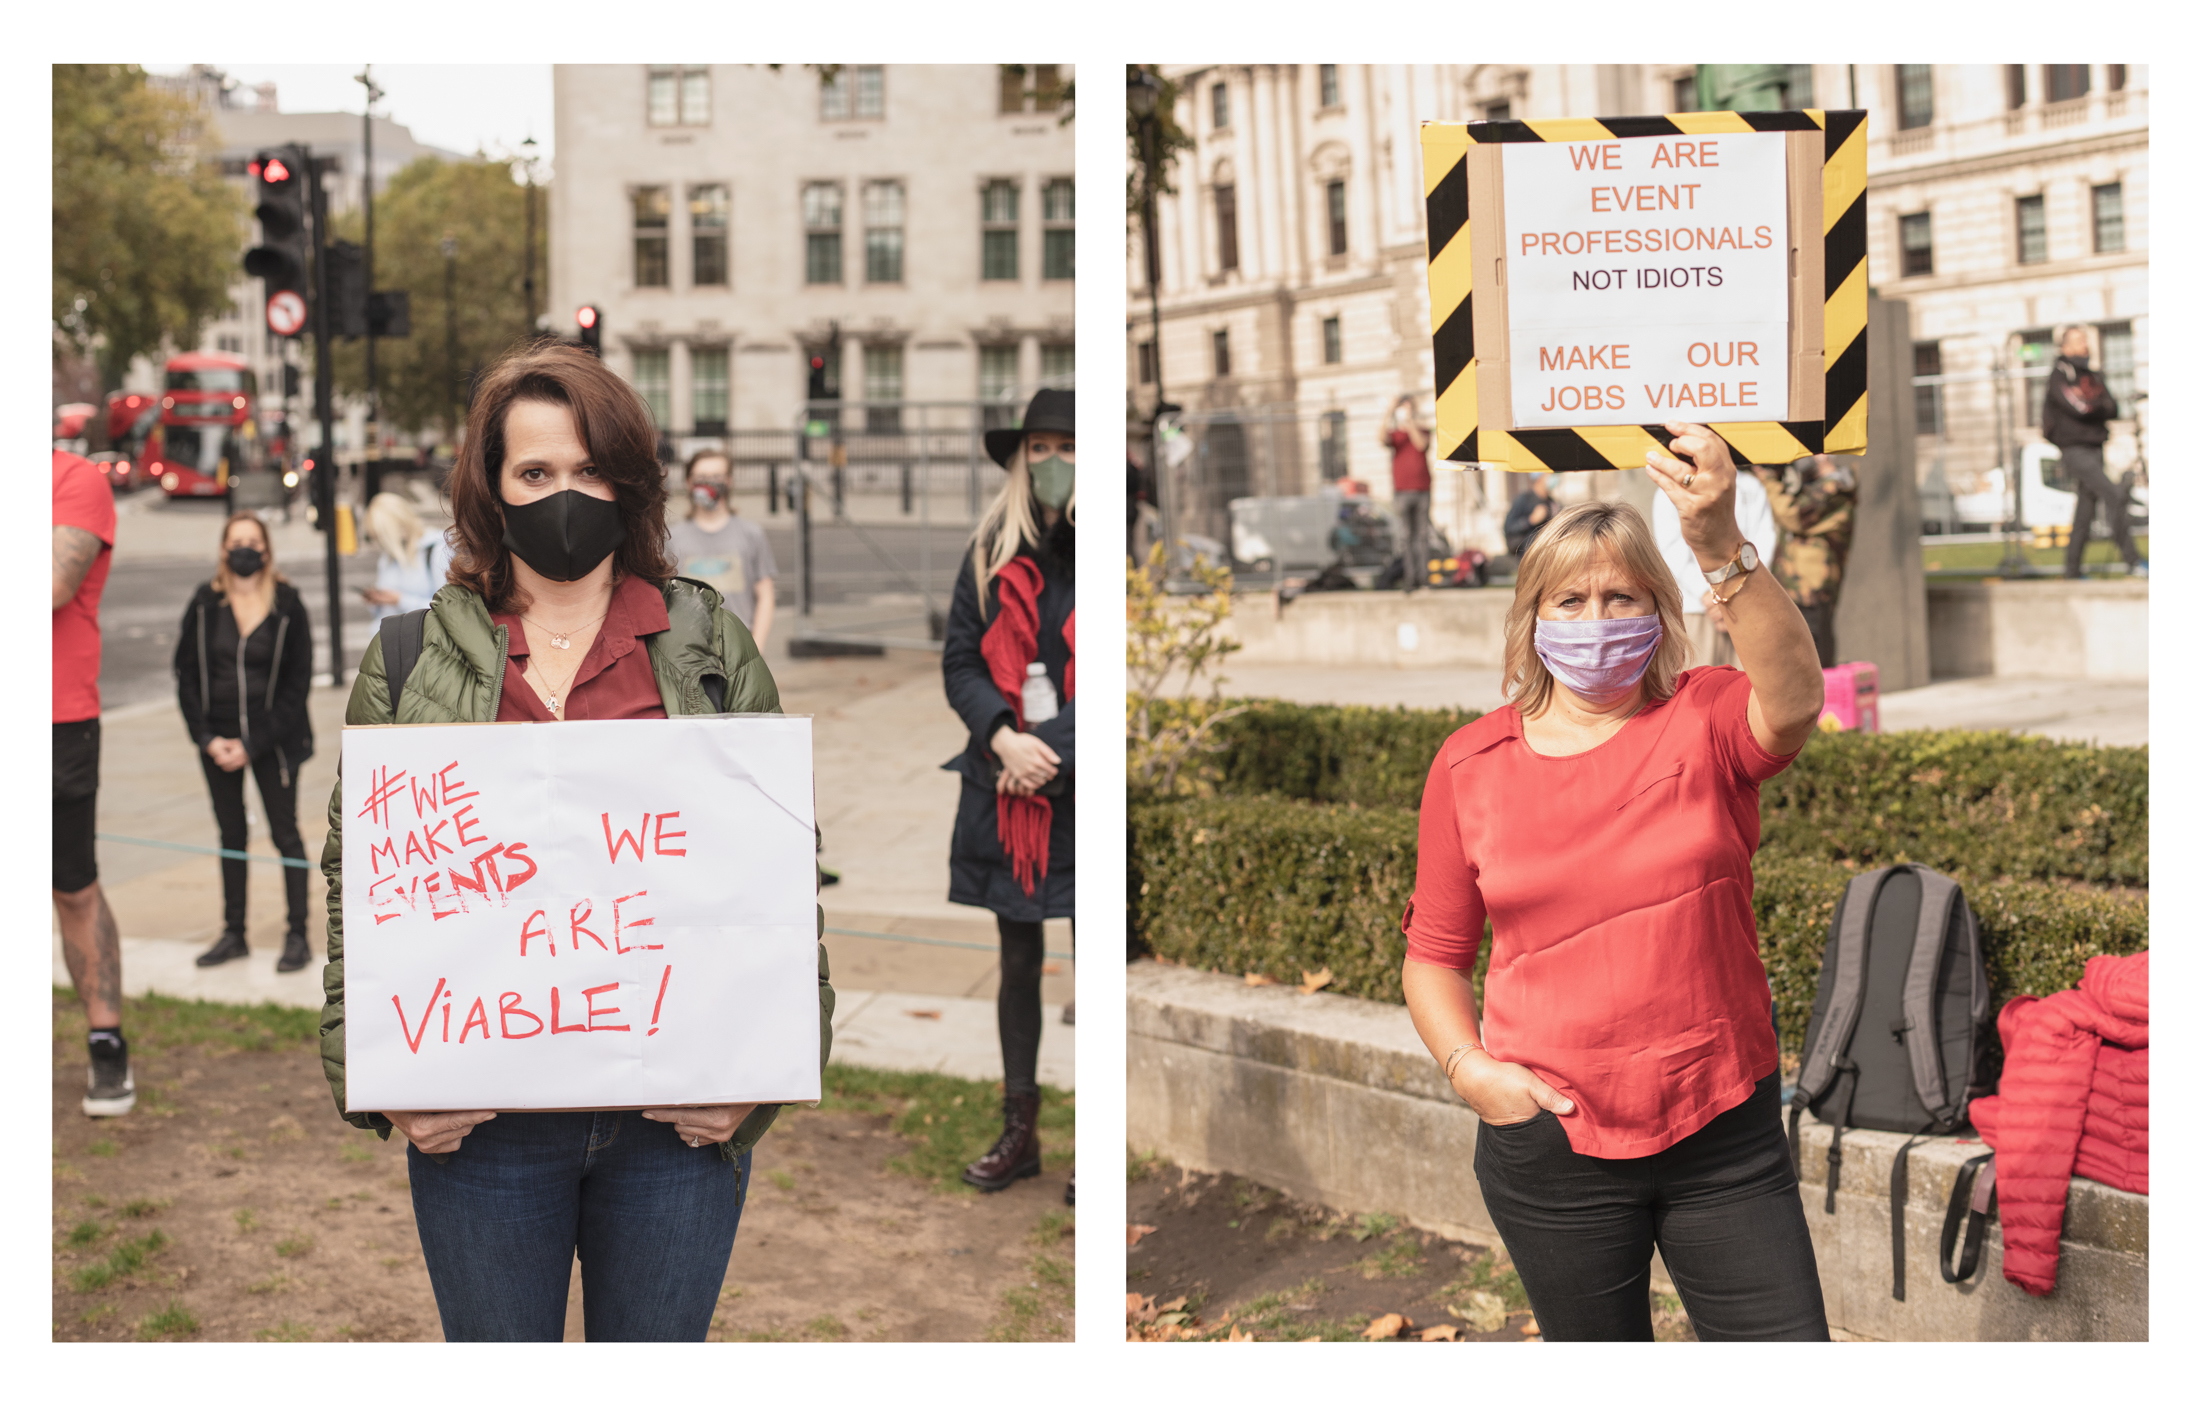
(1412, 509)
(2082, 464)
(1722, 1205)
(652, 1219)
(1023, 956)
(280, 801)
(75, 805)
(1820, 619)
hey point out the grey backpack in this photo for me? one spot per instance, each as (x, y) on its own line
(1901, 1015)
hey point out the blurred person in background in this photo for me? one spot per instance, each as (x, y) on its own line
(1407, 440)
(244, 667)
(83, 550)
(1530, 509)
(413, 561)
(1709, 642)
(2074, 417)
(1010, 666)
(718, 547)
(1813, 500)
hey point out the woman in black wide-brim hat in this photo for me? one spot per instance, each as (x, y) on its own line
(1011, 669)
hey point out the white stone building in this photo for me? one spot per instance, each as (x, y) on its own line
(725, 218)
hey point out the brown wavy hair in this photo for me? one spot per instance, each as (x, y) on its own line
(1566, 544)
(222, 578)
(614, 425)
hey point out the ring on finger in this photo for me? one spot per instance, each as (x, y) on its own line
(1688, 479)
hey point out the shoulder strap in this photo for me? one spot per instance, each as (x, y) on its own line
(402, 638)
(1847, 952)
(1967, 1221)
(1920, 1010)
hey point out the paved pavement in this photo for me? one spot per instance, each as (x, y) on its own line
(2076, 710)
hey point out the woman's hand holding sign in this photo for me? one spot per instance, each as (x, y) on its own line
(697, 1126)
(437, 1133)
(1701, 488)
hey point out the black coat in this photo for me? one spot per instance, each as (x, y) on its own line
(278, 674)
(2060, 423)
(978, 868)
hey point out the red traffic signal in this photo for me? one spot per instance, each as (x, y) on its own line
(590, 319)
(586, 317)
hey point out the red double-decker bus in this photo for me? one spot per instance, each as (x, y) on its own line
(209, 429)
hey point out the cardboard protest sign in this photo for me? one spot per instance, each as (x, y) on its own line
(1591, 279)
(580, 915)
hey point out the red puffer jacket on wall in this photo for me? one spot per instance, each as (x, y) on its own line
(2073, 1099)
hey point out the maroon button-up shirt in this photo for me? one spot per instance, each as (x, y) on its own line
(614, 680)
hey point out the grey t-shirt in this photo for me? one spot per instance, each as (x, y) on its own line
(733, 559)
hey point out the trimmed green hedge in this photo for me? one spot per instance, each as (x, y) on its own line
(1280, 887)
(1983, 802)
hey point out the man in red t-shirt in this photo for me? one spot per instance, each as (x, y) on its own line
(1407, 440)
(83, 548)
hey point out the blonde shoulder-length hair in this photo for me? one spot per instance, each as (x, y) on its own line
(1011, 523)
(1567, 544)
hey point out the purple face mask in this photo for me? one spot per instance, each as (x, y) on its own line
(1600, 660)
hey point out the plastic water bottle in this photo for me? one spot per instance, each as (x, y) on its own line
(1040, 704)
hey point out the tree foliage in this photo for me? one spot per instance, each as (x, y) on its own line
(146, 234)
(1170, 138)
(479, 206)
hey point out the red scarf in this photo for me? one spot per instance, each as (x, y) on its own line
(1010, 645)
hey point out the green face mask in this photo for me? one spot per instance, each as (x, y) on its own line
(1053, 479)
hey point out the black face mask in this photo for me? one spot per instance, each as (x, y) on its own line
(564, 536)
(245, 561)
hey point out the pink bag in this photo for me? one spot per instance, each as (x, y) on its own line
(1852, 698)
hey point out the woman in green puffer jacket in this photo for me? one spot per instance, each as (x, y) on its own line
(562, 605)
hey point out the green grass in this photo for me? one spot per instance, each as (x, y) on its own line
(1400, 1259)
(1373, 1225)
(783, 1180)
(1485, 1275)
(127, 1259)
(1044, 1307)
(104, 1147)
(142, 1207)
(285, 1332)
(1984, 558)
(1144, 1164)
(294, 1246)
(355, 1152)
(827, 1328)
(247, 1219)
(952, 1121)
(84, 1232)
(159, 1023)
(174, 1321)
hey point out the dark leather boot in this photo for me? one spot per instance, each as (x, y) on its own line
(296, 953)
(230, 946)
(1016, 1155)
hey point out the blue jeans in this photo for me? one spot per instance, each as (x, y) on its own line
(652, 1218)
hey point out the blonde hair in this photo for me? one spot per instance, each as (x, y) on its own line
(1010, 523)
(222, 578)
(1566, 545)
(394, 524)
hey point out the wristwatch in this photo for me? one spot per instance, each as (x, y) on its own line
(1745, 561)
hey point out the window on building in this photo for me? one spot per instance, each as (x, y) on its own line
(1925, 361)
(707, 209)
(2118, 75)
(2119, 364)
(712, 396)
(2108, 219)
(1684, 93)
(821, 219)
(997, 372)
(2035, 353)
(997, 213)
(2013, 84)
(1913, 84)
(1221, 100)
(1226, 250)
(881, 388)
(1058, 204)
(1500, 111)
(679, 97)
(1917, 244)
(2032, 229)
(652, 236)
(1046, 87)
(2068, 80)
(1012, 87)
(1222, 352)
(653, 382)
(1145, 363)
(882, 226)
(853, 91)
(1329, 434)
(1329, 85)
(1335, 195)
(1332, 340)
(1058, 365)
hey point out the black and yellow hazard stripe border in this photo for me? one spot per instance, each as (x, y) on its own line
(1459, 437)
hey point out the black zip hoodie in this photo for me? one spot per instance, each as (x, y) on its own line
(273, 681)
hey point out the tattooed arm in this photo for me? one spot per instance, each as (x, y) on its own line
(74, 551)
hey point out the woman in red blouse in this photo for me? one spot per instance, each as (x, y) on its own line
(1624, 1068)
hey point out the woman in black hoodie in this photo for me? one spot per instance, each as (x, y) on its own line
(1010, 660)
(244, 663)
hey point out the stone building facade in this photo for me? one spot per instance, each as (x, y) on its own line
(727, 218)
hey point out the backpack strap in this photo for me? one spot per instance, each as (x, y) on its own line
(402, 639)
(1972, 1228)
(714, 688)
(1850, 942)
(1919, 1025)
(1898, 1202)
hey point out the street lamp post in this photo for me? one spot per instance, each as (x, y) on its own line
(369, 468)
(450, 330)
(1143, 92)
(527, 277)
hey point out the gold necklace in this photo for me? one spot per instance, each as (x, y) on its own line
(551, 695)
(563, 639)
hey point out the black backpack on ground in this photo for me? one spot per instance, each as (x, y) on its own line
(1901, 1015)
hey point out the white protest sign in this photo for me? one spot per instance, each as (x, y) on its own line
(580, 915)
(1647, 279)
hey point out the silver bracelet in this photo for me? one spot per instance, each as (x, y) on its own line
(1451, 1061)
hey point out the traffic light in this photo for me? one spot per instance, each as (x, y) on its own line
(347, 289)
(590, 319)
(279, 260)
(817, 377)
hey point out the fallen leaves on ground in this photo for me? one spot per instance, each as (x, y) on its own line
(1259, 979)
(1145, 1321)
(1483, 1310)
(1310, 982)
(1441, 1333)
(1389, 1326)
(1138, 1233)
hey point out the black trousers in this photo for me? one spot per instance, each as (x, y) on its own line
(1722, 1205)
(2082, 463)
(75, 805)
(1820, 619)
(280, 801)
(1023, 956)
